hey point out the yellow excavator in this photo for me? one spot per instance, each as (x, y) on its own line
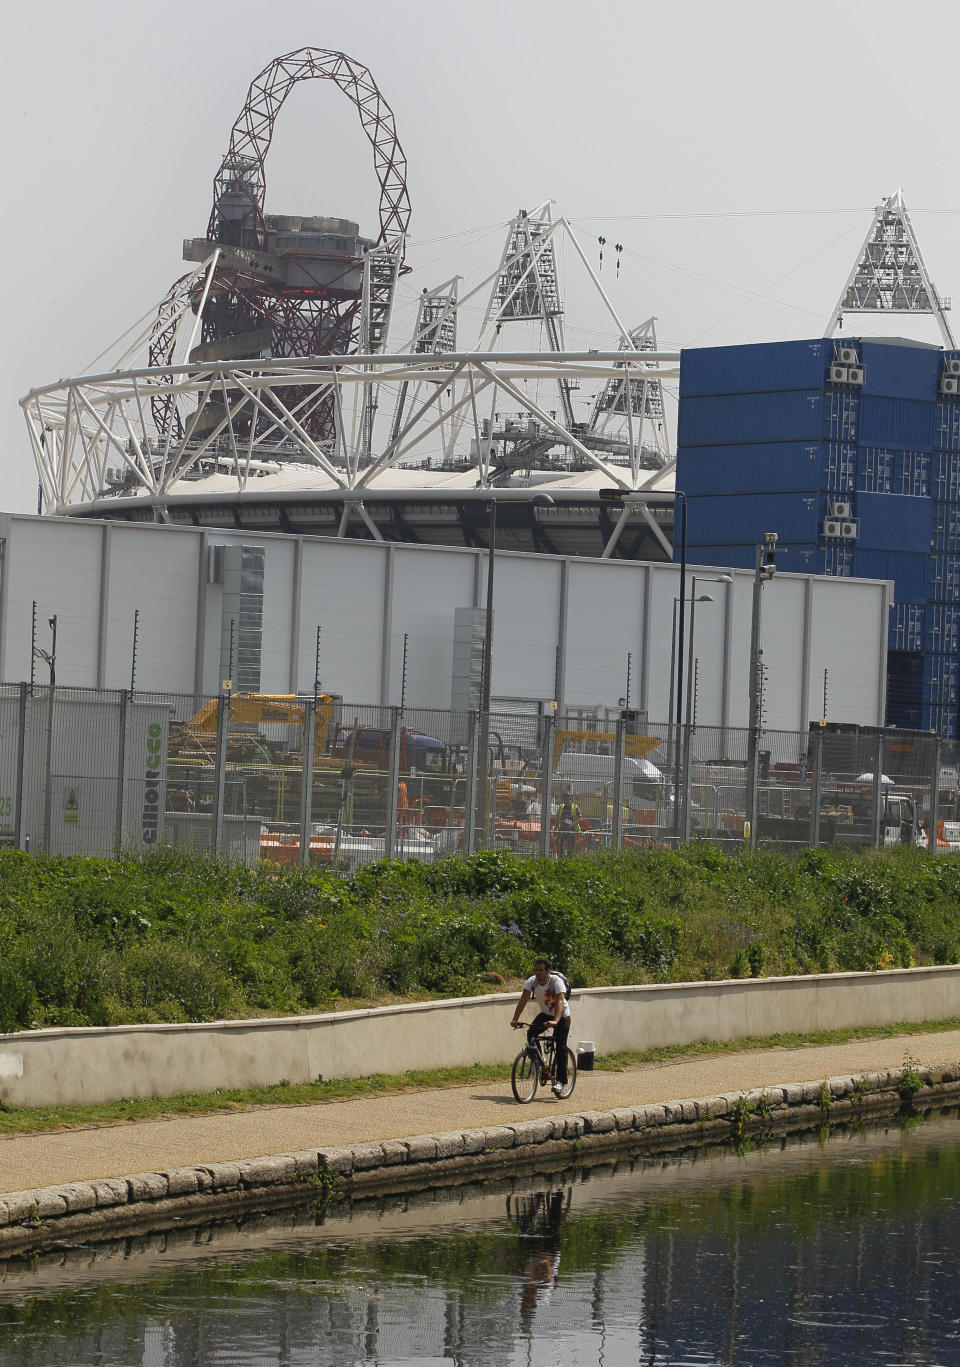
(260, 709)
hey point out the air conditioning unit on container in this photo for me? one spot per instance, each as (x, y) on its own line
(840, 510)
(949, 384)
(855, 375)
(847, 355)
(953, 365)
(839, 374)
(831, 527)
(849, 530)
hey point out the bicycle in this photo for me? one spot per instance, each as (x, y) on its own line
(534, 1067)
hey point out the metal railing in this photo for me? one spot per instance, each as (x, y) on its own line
(319, 781)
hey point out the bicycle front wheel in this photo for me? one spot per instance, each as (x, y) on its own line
(571, 1074)
(524, 1076)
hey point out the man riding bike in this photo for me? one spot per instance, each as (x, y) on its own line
(549, 991)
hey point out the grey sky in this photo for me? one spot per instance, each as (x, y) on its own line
(735, 150)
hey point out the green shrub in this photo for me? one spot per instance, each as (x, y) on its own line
(171, 936)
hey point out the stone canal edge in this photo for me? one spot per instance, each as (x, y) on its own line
(108, 1207)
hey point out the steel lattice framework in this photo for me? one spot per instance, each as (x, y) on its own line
(92, 437)
(242, 303)
(890, 274)
(486, 417)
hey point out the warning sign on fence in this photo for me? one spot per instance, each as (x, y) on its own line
(71, 809)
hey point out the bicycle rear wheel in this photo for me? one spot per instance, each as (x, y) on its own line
(525, 1076)
(571, 1074)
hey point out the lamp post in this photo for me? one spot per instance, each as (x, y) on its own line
(50, 659)
(674, 727)
(704, 598)
(486, 674)
(638, 498)
(764, 569)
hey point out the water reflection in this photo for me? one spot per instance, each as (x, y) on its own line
(796, 1253)
(538, 1216)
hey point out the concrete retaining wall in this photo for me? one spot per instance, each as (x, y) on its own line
(79, 1066)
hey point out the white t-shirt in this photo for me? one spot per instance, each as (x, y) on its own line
(544, 994)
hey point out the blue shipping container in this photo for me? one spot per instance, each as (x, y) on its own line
(942, 719)
(943, 577)
(945, 476)
(946, 425)
(911, 473)
(751, 418)
(907, 627)
(945, 531)
(895, 371)
(908, 572)
(875, 469)
(841, 463)
(743, 519)
(904, 423)
(841, 417)
(754, 369)
(904, 689)
(942, 636)
(893, 522)
(720, 557)
(941, 679)
(775, 466)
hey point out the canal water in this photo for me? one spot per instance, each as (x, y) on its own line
(842, 1248)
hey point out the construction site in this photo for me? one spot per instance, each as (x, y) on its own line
(271, 500)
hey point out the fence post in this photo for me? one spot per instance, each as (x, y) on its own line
(934, 798)
(687, 747)
(219, 774)
(306, 783)
(48, 774)
(878, 794)
(21, 750)
(470, 796)
(816, 785)
(616, 828)
(124, 698)
(393, 784)
(546, 783)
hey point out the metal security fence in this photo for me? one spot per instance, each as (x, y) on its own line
(321, 781)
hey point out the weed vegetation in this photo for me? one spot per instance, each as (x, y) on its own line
(169, 937)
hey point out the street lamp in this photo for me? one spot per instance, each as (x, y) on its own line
(704, 579)
(675, 752)
(49, 657)
(764, 569)
(486, 675)
(704, 598)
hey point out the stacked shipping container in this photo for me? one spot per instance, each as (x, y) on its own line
(850, 450)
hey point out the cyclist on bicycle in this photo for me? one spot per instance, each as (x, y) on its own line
(549, 992)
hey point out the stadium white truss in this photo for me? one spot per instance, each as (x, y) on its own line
(155, 430)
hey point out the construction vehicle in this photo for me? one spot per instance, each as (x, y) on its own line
(264, 753)
(371, 747)
(847, 815)
(248, 712)
(635, 746)
(645, 793)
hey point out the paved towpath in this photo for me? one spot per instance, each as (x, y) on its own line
(185, 1141)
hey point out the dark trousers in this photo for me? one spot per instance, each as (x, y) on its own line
(560, 1032)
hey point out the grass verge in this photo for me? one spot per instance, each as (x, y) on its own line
(39, 1120)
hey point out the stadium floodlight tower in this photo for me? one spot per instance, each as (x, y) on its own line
(890, 275)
